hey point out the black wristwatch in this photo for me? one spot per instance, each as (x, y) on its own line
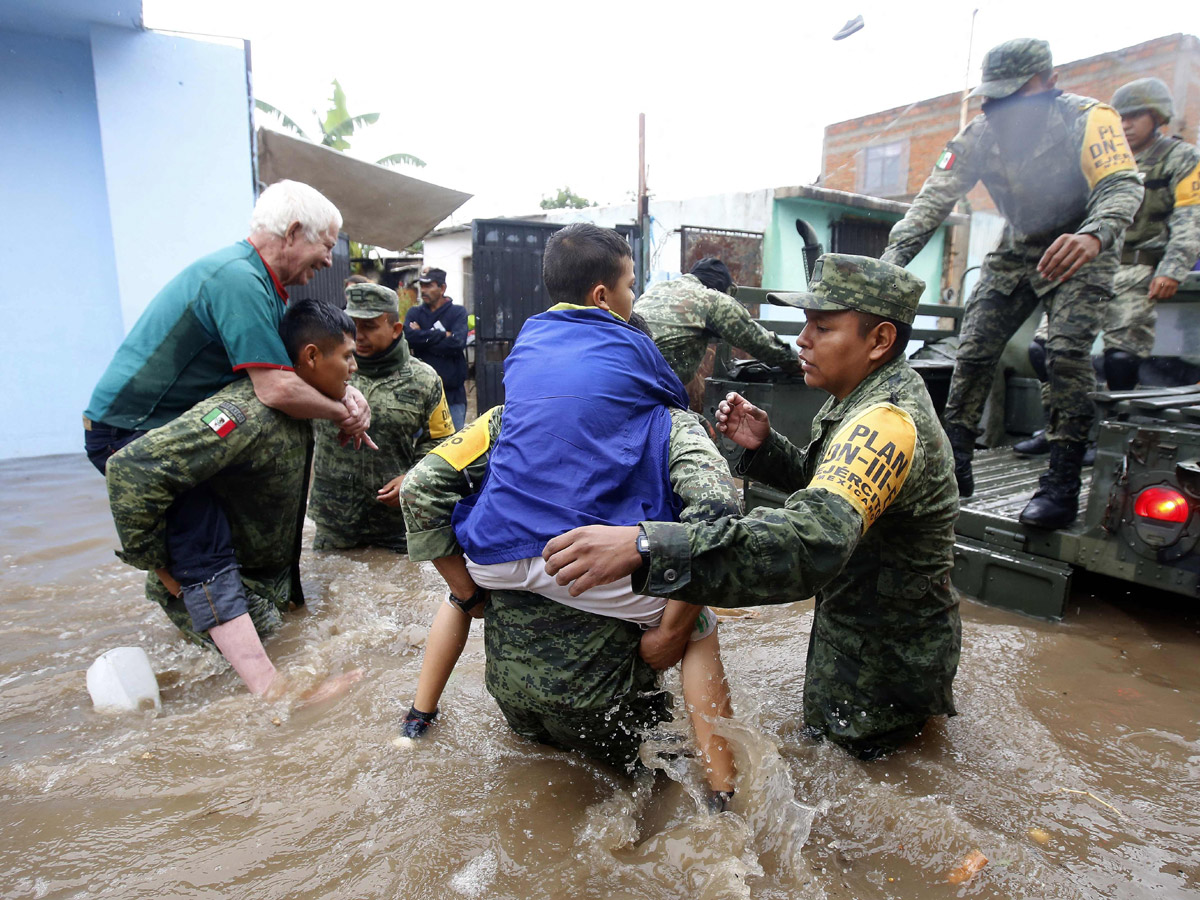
(643, 546)
(470, 602)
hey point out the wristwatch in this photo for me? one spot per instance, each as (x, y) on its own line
(643, 546)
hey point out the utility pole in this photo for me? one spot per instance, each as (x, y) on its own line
(960, 241)
(643, 206)
(962, 112)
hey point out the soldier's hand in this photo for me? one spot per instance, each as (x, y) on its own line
(592, 555)
(742, 422)
(389, 494)
(1067, 255)
(1162, 288)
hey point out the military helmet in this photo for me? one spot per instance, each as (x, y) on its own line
(840, 281)
(1145, 93)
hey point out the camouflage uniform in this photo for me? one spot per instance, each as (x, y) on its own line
(1078, 177)
(1164, 239)
(1165, 232)
(683, 316)
(869, 528)
(408, 417)
(562, 676)
(255, 460)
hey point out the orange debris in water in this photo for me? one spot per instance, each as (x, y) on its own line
(971, 863)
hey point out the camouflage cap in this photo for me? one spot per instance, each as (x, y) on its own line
(1145, 94)
(366, 301)
(840, 281)
(1008, 66)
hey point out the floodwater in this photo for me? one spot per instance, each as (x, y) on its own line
(1074, 765)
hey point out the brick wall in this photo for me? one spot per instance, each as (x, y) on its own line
(928, 124)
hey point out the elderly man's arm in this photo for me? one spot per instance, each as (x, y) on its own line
(291, 394)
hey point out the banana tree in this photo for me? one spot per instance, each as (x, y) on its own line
(337, 126)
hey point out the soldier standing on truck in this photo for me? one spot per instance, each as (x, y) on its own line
(1161, 245)
(1062, 175)
(684, 314)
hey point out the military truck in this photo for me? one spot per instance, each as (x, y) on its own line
(1140, 508)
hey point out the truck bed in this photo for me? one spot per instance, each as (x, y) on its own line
(1004, 483)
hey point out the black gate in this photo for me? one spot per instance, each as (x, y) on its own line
(328, 284)
(506, 259)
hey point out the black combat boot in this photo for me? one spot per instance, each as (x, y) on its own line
(962, 443)
(1037, 445)
(1056, 501)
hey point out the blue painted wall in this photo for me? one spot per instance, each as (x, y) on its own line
(175, 127)
(127, 157)
(58, 280)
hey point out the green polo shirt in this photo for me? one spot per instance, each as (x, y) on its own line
(217, 317)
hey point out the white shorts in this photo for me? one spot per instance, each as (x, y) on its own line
(616, 600)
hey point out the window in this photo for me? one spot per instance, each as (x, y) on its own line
(862, 237)
(882, 170)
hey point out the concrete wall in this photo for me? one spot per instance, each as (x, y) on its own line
(741, 211)
(171, 110)
(58, 279)
(109, 135)
(745, 211)
(447, 251)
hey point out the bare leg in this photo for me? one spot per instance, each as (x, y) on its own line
(239, 643)
(706, 693)
(443, 647)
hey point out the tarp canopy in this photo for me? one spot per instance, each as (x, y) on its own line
(379, 206)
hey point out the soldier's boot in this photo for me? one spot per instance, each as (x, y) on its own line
(962, 443)
(1056, 501)
(1121, 369)
(1037, 445)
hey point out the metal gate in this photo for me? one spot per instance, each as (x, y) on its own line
(506, 259)
(328, 285)
(741, 251)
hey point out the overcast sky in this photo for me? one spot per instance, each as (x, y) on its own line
(512, 100)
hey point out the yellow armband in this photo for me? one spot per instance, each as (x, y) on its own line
(869, 459)
(440, 423)
(1187, 192)
(1105, 151)
(469, 444)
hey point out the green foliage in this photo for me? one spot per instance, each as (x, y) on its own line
(566, 199)
(338, 126)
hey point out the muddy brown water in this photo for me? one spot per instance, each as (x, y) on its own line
(1074, 765)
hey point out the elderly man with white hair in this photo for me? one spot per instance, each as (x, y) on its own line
(213, 323)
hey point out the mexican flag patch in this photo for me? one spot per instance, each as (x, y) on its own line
(946, 160)
(224, 418)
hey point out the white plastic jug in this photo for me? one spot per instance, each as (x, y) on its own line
(122, 680)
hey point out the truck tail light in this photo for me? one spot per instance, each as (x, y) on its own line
(1162, 504)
